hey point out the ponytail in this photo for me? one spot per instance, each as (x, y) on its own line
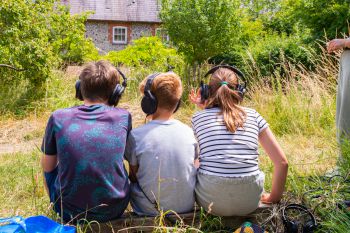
(223, 95)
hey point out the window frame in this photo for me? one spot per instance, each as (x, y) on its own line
(161, 36)
(114, 34)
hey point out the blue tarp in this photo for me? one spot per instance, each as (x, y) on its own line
(35, 224)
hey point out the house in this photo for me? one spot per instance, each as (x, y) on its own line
(115, 23)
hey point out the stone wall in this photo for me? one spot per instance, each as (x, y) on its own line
(101, 33)
(98, 32)
(138, 30)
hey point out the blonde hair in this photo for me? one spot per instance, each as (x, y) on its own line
(167, 88)
(223, 94)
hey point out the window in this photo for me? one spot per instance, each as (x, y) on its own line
(108, 4)
(120, 35)
(162, 34)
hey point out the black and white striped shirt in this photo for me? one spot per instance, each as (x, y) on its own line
(227, 154)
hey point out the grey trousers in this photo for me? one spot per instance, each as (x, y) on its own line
(225, 196)
(343, 99)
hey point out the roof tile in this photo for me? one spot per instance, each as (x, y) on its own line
(117, 10)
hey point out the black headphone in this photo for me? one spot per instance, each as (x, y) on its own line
(149, 101)
(240, 88)
(116, 94)
(292, 226)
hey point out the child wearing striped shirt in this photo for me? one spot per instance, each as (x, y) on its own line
(229, 181)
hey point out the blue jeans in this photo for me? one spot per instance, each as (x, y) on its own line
(50, 178)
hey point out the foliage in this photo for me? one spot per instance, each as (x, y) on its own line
(38, 36)
(202, 28)
(68, 37)
(57, 92)
(344, 161)
(300, 111)
(274, 50)
(323, 17)
(25, 40)
(264, 30)
(145, 52)
(145, 56)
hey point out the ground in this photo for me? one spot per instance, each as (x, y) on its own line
(311, 150)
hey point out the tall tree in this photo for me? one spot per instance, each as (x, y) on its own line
(323, 16)
(201, 29)
(37, 36)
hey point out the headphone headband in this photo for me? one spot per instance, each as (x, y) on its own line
(125, 80)
(232, 68)
(309, 225)
(116, 94)
(241, 88)
(149, 82)
(149, 101)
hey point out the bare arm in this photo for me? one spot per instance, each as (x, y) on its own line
(274, 151)
(49, 162)
(132, 173)
(337, 44)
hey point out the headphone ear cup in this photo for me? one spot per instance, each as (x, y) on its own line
(294, 227)
(149, 105)
(78, 94)
(117, 93)
(241, 89)
(177, 106)
(309, 227)
(204, 90)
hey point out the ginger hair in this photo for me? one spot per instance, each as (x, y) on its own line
(227, 98)
(167, 88)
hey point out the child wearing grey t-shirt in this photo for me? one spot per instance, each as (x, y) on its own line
(161, 153)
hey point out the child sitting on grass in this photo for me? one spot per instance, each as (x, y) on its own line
(84, 149)
(161, 153)
(229, 181)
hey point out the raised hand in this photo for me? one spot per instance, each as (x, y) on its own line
(337, 44)
(195, 98)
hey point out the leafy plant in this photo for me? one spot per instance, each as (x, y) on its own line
(201, 29)
(147, 52)
(38, 36)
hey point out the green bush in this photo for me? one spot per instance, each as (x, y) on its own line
(68, 38)
(38, 37)
(201, 29)
(145, 56)
(147, 52)
(275, 50)
(25, 40)
(322, 17)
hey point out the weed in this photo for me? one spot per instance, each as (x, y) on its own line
(300, 108)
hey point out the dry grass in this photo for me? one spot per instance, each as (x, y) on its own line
(299, 106)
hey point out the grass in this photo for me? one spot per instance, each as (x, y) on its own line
(299, 106)
(22, 192)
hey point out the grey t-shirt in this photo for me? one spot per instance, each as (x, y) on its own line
(165, 152)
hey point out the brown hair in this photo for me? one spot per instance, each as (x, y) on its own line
(167, 88)
(98, 80)
(223, 94)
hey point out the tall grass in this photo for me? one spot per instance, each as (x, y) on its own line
(299, 105)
